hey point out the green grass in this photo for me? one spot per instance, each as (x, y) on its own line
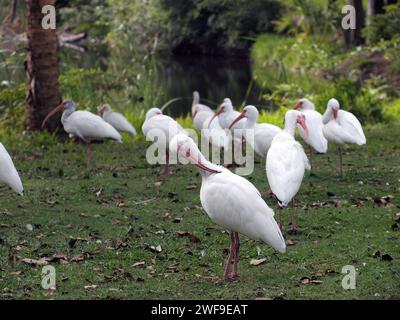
(127, 217)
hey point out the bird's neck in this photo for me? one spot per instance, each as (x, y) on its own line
(328, 116)
(66, 114)
(290, 128)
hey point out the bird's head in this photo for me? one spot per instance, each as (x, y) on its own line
(104, 108)
(334, 107)
(65, 105)
(226, 106)
(249, 112)
(184, 146)
(304, 104)
(152, 113)
(294, 117)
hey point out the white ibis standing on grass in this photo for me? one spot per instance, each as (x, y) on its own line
(160, 129)
(264, 133)
(342, 127)
(315, 139)
(84, 125)
(8, 173)
(286, 163)
(233, 203)
(117, 120)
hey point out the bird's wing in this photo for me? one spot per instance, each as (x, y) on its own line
(285, 166)
(264, 133)
(119, 122)
(234, 203)
(352, 126)
(89, 126)
(8, 173)
(162, 124)
(316, 138)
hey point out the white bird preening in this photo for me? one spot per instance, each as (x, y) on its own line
(315, 139)
(160, 129)
(8, 173)
(117, 120)
(231, 202)
(286, 163)
(342, 127)
(264, 133)
(200, 112)
(84, 125)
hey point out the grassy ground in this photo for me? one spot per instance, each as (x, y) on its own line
(110, 216)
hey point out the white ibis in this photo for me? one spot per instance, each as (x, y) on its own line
(197, 106)
(315, 139)
(84, 125)
(286, 163)
(117, 120)
(160, 129)
(226, 115)
(231, 202)
(200, 112)
(264, 133)
(342, 127)
(8, 173)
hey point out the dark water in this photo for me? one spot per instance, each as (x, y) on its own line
(214, 77)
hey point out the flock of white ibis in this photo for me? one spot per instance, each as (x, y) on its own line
(230, 200)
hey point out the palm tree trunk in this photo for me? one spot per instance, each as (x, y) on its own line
(41, 67)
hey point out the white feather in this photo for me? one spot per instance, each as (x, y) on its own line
(8, 173)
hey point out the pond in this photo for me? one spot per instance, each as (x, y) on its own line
(214, 77)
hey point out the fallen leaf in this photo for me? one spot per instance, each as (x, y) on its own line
(257, 262)
(138, 264)
(40, 262)
(90, 287)
(305, 280)
(289, 242)
(157, 183)
(157, 249)
(99, 192)
(191, 187)
(115, 221)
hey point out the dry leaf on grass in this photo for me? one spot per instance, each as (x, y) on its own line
(257, 262)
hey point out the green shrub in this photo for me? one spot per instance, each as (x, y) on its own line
(384, 26)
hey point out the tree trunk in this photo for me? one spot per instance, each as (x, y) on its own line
(354, 36)
(41, 67)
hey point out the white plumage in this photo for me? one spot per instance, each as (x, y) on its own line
(232, 202)
(342, 127)
(315, 138)
(117, 120)
(264, 133)
(8, 173)
(88, 126)
(287, 162)
(160, 129)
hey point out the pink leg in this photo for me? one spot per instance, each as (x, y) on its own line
(229, 259)
(293, 227)
(310, 153)
(166, 167)
(234, 276)
(280, 217)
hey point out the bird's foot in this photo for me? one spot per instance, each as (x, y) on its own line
(228, 278)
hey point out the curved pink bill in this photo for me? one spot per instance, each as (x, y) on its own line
(101, 111)
(297, 106)
(52, 112)
(240, 117)
(214, 116)
(301, 120)
(196, 162)
(335, 113)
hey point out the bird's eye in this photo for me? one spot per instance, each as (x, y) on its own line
(188, 153)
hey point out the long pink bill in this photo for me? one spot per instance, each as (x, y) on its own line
(215, 115)
(52, 112)
(240, 117)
